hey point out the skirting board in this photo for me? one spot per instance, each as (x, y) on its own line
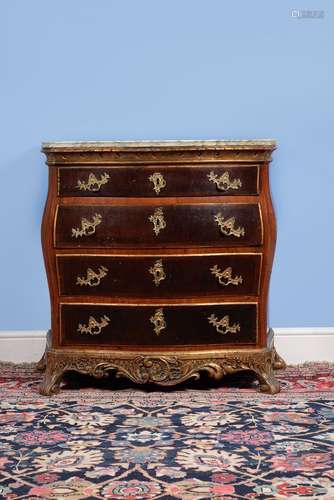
(295, 345)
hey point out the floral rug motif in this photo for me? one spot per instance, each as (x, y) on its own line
(114, 440)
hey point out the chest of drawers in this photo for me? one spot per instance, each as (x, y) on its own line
(158, 257)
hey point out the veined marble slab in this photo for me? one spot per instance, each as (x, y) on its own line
(135, 145)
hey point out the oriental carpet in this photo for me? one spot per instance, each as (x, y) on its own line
(199, 441)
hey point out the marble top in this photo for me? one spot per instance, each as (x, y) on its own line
(137, 145)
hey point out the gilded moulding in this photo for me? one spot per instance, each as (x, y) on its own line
(160, 368)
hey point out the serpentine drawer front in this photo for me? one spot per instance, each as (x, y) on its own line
(116, 325)
(103, 226)
(159, 276)
(158, 256)
(159, 181)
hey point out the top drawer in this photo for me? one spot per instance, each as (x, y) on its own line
(207, 180)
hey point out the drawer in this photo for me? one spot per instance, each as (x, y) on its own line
(141, 325)
(159, 276)
(207, 180)
(101, 226)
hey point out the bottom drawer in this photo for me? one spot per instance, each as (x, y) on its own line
(154, 326)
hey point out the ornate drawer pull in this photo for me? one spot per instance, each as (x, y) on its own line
(94, 327)
(158, 181)
(223, 325)
(159, 321)
(93, 184)
(87, 227)
(224, 182)
(227, 226)
(93, 278)
(225, 277)
(158, 272)
(157, 220)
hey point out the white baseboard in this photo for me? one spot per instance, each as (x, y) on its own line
(22, 346)
(298, 345)
(295, 345)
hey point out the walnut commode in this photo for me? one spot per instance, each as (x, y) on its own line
(158, 257)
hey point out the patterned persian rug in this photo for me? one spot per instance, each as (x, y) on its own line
(195, 442)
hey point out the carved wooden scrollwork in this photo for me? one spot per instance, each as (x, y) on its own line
(160, 369)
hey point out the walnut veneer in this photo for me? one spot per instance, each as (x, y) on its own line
(158, 257)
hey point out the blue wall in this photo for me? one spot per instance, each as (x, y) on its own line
(183, 69)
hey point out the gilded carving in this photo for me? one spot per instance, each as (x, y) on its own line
(278, 362)
(160, 369)
(230, 155)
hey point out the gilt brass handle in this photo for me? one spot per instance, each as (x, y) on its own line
(227, 226)
(157, 270)
(157, 220)
(223, 325)
(92, 278)
(224, 183)
(87, 227)
(94, 327)
(93, 184)
(158, 321)
(158, 181)
(225, 277)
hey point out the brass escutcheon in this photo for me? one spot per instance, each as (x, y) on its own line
(93, 184)
(225, 277)
(158, 320)
(87, 227)
(157, 270)
(223, 325)
(94, 327)
(92, 278)
(224, 182)
(227, 226)
(158, 181)
(157, 220)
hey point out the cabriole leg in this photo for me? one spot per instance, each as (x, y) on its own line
(279, 363)
(268, 383)
(41, 365)
(52, 377)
